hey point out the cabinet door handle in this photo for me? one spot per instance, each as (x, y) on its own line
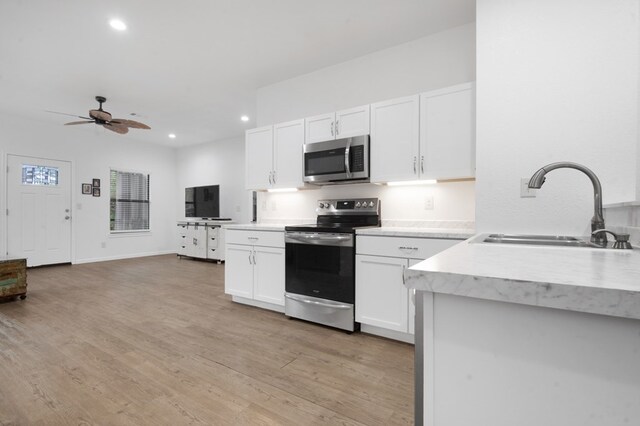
(250, 258)
(337, 127)
(254, 257)
(270, 181)
(332, 129)
(422, 164)
(274, 177)
(415, 162)
(403, 268)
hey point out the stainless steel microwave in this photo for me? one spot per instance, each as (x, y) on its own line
(337, 161)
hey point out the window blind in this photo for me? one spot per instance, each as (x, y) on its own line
(129, 201)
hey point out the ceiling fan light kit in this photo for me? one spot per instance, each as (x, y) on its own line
(104, 119)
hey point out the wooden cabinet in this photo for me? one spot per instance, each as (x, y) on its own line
(202, 240)
(341, 124)
(13, 278)
(427, 136)
(383, 304)
(395, 139)
(274, 156)
(255, 268)
(447, 133)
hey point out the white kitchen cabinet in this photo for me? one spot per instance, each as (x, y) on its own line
(274, 156)
(427, 136)
(255, 268)
(447, 133)
(381, 299)
(288, 139)
(259, 157)
(341, 124)
(384, 306)
(395, 139)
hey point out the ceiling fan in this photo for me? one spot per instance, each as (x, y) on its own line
(104, 119)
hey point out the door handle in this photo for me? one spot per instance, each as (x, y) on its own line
(332, 129)
(422, 164)
(415, 162)
(254, 257)
(250, 259)
(337, 127)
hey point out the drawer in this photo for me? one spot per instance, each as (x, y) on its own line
(410, 248)
(255, 238)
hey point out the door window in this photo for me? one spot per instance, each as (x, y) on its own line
(39, 175)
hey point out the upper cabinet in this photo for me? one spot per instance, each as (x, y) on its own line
(447, 133)
(427, 136)
(395, 139)
(342, 124)
(274, 156)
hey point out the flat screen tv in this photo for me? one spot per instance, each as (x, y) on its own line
(202, 201)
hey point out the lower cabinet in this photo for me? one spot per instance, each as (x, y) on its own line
(254, 274)
(384, 306)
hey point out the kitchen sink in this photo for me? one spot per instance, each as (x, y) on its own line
(540, 240)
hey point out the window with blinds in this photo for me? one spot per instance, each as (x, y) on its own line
(129, 206)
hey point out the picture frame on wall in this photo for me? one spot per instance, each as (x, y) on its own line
(86, 188)
(96, 183)
(96, 192)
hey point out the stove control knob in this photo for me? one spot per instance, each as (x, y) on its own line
(321, 205)
(370, 203)
(358, 204)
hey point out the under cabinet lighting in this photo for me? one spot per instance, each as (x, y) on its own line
(117, 24)
(282, 190)
(413, 182)
(172, 136)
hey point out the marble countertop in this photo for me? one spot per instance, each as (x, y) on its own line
(599, 281)
(407, 231)
(256, 226)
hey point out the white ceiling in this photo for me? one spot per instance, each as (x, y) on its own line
(189, 67)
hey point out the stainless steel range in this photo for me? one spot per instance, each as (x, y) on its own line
(320, 262)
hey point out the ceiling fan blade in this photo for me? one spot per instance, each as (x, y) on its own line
(70, 115)
(116, 128)
(73, 123)
(130, 123)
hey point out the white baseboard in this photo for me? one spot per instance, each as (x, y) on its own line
(120, 257)
(258, 304)
(389, 334)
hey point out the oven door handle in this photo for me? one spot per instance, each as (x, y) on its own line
(315, 302)
(315, 239)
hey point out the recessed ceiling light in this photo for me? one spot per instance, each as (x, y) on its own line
(244, 118)
(117, 24)
(172, 135)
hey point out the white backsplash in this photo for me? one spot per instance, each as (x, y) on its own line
(452, 204)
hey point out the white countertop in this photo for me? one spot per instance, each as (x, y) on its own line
(396, 231)
(256, 226)
(601, 281)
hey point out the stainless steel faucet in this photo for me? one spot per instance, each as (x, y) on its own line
(597, 221)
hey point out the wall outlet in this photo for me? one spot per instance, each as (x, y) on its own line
(525, 191)
(428, 202)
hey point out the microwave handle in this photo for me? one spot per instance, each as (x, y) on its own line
(346, 158)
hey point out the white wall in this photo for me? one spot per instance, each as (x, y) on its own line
(556, 80)
(436, 61)
(215, 163)
(93, 151)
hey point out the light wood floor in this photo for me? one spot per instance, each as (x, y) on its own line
(155, 341)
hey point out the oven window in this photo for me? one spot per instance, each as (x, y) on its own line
(324, 162)
(320, 271)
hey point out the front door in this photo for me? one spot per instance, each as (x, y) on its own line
(39, 210)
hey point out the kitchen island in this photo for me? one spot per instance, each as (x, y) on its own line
(527, 335)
